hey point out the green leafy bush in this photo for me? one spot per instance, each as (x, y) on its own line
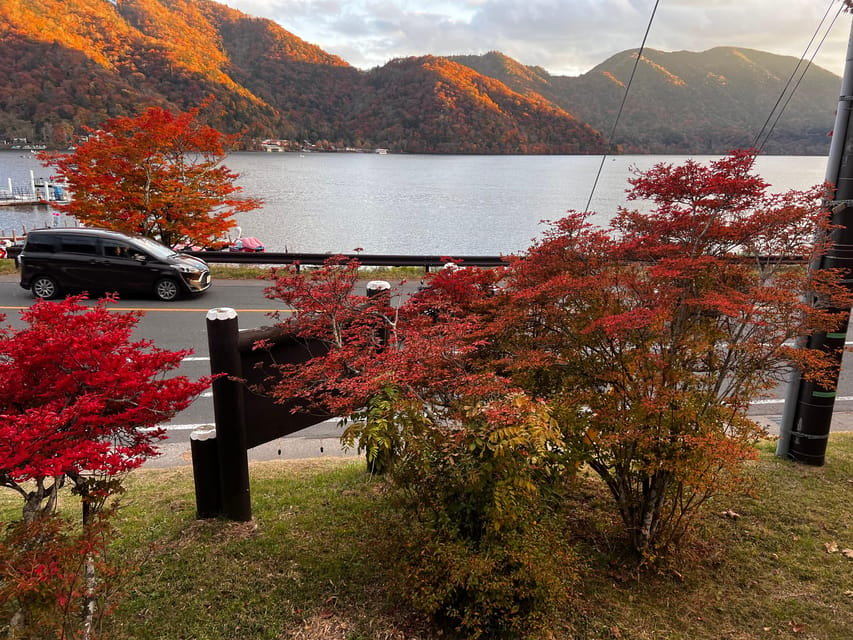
(484, 555)
(508, 585)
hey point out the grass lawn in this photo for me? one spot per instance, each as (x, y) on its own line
(248, 271)
(774, 562)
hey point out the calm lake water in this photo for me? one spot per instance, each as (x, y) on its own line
(416, 204)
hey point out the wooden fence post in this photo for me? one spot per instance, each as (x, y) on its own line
(222, 336)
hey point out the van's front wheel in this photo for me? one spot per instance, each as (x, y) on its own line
(166, 289)
(44, 287)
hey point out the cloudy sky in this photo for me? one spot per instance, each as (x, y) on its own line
(566, 37)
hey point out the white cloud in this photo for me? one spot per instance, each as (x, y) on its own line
(563, 36)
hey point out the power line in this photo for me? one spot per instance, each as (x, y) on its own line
(622, 105)
(755, 144)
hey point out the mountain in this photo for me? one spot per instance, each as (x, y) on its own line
(687, 102)
(75, 63)
(435, 105)
(71, 64)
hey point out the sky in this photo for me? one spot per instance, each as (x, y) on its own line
(565, 37)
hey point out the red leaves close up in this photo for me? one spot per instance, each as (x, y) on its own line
(79, 395)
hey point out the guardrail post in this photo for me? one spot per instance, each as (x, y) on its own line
(222, 337)
(205, 456)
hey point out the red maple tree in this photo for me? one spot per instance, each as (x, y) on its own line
(80, 400)
(466, 448)
(646, 341)
(159, 174)
(650, 339)
(80, 404)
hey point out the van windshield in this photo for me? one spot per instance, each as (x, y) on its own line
(155, 249)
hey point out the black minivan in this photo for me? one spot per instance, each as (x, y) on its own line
(82, 259)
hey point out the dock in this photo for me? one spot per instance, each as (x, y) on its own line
(38, 192)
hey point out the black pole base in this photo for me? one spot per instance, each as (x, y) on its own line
(205, 457)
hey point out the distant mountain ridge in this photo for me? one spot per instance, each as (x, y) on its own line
(687, 102)
(70, 64)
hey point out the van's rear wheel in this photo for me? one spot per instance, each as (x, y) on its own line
(44, 287)
(166, 289)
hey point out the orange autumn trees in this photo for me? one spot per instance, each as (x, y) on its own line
(650, 339)
(632, 350)
(159, 174)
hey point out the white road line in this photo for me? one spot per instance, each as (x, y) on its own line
(178, 427)
(209, 394)
(190, 427)
(205, 425)
(782, 401)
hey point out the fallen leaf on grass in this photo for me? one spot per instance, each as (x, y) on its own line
(797, 627)
(728, 513)
(847, 553)
(831, 547)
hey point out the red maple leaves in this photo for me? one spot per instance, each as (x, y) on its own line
(79, 396)
(645, 342)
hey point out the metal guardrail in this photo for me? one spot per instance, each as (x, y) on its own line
(377, 260)
(381, 260)
(367, 260)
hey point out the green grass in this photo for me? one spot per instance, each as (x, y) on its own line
(392, 274)
(7, 267)
(312, 565)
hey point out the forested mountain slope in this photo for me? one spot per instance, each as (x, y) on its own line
(71, 64)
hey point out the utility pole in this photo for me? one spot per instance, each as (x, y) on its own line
(804, 430)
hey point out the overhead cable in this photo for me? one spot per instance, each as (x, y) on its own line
(758, 143)
(622, 105)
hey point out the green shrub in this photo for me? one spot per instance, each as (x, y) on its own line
(508, 585)
(483, 555)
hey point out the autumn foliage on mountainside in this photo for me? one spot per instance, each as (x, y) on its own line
(80, 405)
(159, 174)
(70, 64)
(634, 350)
(434, 105)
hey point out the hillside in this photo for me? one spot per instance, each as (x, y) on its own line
(71, 64)
(434, 105)
(686, 102)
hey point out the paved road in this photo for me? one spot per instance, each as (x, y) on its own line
(181, 325)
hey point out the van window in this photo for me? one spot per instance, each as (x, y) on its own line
(156, 249)
(116, 249)
(79, 244)
(40, 244)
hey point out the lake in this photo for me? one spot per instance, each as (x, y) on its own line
(416, 204)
